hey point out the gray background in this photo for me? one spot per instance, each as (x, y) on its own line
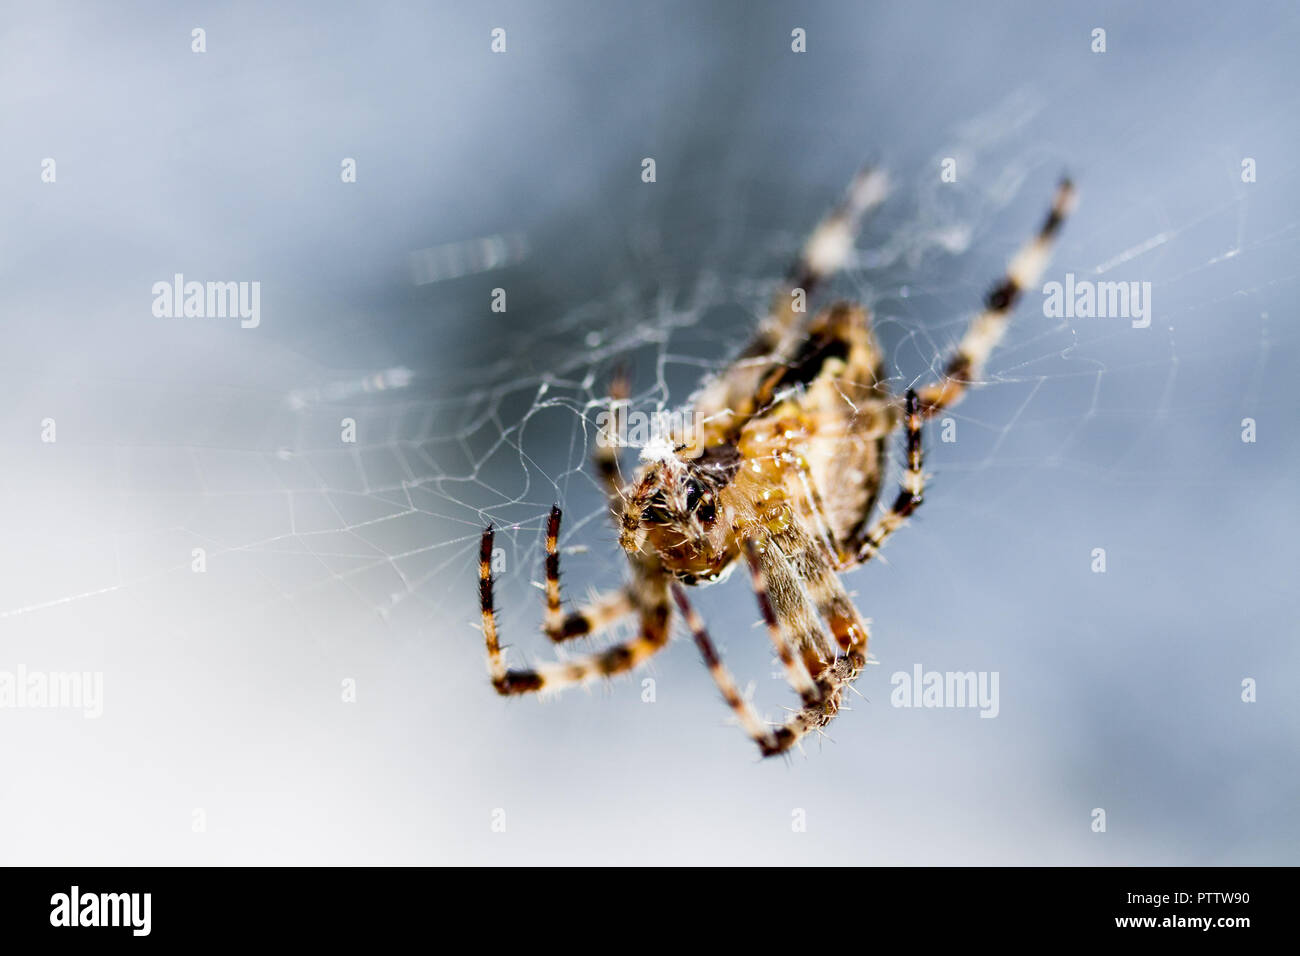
(328, 562)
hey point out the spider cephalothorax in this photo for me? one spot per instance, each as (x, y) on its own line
(679, 509)
(784, 474)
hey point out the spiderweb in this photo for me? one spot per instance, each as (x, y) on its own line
(333, 490)
(392, 517)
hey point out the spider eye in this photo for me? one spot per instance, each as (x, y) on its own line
(656, 511)
(693, 495)
(699, 503)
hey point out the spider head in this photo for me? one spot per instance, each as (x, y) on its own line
(677, 509)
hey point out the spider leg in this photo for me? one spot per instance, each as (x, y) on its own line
(866, 545)
(813, 564)
(779, 334)
(777, 568)
(605, 456)
(808, 560)
(796, 669)
(750, 722)
(815, 716)
(966, 365)
(649, 597)
(824, 253)
(787, 609)
(608, 608)
(592, 618)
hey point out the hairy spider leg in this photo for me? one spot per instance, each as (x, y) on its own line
(966, 366)
(650, 603)
(910, 494)
(796, 669)
(748, 718)
(731, 399)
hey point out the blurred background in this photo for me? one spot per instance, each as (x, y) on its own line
(284, 619)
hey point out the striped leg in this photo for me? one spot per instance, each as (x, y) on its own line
(592, 618)
(910, 495)
(813, 564)
(607, 442)
(808, 561)
(610, 607)
(585, 621)
(814, 715)
(750, 722)
(651, 600)
(786, 608)
(967, 364)
(557, 625)
(824, 253)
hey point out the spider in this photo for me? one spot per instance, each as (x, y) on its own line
(783, 473)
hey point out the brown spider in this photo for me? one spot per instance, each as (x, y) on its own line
(784, 470)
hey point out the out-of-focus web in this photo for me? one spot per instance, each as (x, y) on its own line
(395, 518)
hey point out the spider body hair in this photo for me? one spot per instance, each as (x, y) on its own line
(783, 475)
